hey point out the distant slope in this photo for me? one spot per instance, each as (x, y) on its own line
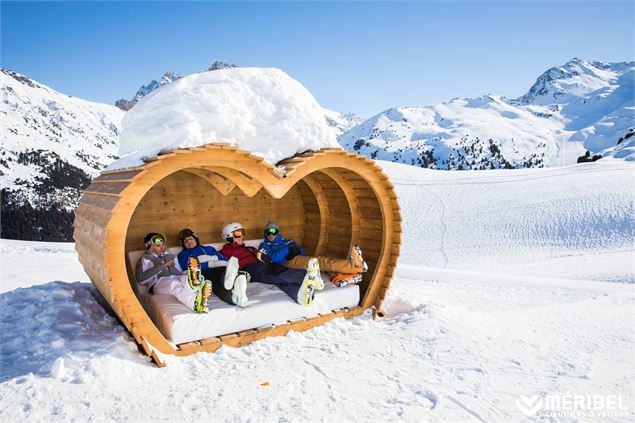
(52, 146)
(580, 106)
(547, 221)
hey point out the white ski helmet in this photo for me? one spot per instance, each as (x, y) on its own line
(229, 229)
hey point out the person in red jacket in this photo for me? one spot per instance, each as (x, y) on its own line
(227, 283)
(297, 284)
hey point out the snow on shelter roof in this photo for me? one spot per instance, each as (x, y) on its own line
(261, 110)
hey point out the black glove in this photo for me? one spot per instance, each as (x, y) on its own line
(294, 250)
(263, 256)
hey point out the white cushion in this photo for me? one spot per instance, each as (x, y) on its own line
(267, 305)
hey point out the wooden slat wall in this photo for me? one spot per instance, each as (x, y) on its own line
(312, 218)
(337, 216)
(185, 200)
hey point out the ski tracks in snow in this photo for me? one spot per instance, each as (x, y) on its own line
(422, 214)
(453, 347)
(501, 337)
(442, 223)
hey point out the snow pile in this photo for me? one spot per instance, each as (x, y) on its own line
(264, 111)
(500, 292)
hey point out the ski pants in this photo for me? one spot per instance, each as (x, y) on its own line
(178, 287)
(289, 281)
(327, 264)
(217, 276)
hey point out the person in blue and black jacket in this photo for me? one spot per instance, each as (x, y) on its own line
(228, 283)
(287, 252)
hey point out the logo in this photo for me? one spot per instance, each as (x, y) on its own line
(573, 406)
(529, 405)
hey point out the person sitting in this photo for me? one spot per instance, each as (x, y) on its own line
(227, 283)
(289, 253)
(297, 284)
(158, 271)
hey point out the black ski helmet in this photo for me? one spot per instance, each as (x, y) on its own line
(184, 233)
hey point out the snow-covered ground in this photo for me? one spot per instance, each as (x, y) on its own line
(511, 284)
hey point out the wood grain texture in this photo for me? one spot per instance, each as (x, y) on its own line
(326, 200)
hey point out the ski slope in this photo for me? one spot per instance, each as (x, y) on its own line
(510, 284)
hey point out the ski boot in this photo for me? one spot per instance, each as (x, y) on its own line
(202, 297)
(343, 279)
(355, 257)
(194, 275)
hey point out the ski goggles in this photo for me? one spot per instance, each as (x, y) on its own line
(156, 240)
(238, 233)
(271, 231)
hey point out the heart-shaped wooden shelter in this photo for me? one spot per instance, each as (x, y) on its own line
(326, 200)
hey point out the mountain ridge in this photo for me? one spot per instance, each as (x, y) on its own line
(52, 146)
(166, 79)
(55, 144)
(578, 107)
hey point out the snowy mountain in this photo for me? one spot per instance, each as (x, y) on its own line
(341, 123)
(578, 107)
(166, 79)
(153, 85)
(52, 146)
(220, 64)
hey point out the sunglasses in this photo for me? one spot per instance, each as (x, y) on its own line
(238, 234)
(271, 232)
(189, 238)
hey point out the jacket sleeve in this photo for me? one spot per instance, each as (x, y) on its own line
(174, 270)
(278, 253)
(211, 251)
(146, 270)
(277, 250)
(183, 256)
(267, 247)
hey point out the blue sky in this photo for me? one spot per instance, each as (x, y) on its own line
(360, 57)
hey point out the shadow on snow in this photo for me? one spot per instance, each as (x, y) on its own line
(42, 323)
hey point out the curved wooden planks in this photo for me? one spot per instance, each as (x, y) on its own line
(366, 209)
